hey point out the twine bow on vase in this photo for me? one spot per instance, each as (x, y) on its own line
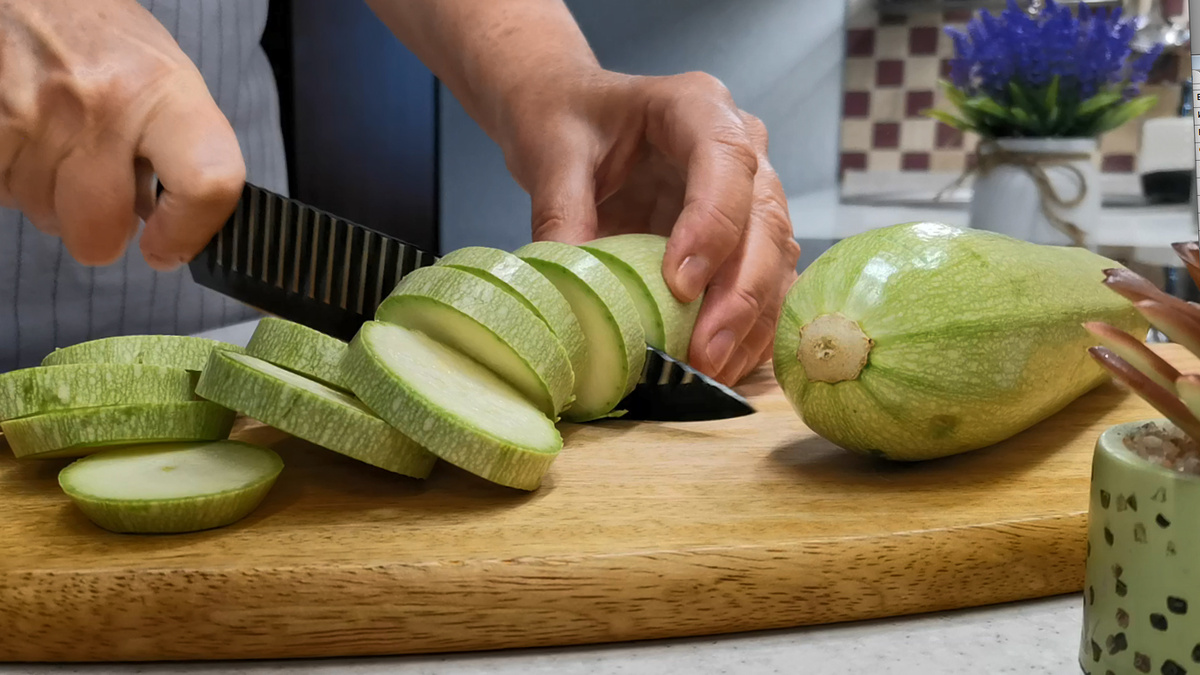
(1036, 163)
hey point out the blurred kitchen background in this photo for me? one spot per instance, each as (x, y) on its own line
(839, 83)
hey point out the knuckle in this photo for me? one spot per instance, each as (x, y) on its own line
(732, 143)
(217, 184)
(745, 303)
(705, 82)
(720, 226)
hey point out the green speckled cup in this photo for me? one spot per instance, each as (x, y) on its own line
(1141, 604)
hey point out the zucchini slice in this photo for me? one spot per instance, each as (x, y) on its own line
(452, 405)
(299, 348)
(526, 284)
(637, 260)
(616, 342)
(83, 431)
(173, 351)
(33, 391)
(172, 487)
(477, 318)
(310, 410)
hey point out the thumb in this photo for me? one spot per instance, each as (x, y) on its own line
(564, 202)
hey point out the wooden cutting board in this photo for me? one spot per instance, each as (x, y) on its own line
(640, 531)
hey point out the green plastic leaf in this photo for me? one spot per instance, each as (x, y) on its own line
(1098, 103)
(953, 94)
(1051, 98)
(1125, 112)
(949, 119)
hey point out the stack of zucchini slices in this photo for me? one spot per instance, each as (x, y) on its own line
(472, 361)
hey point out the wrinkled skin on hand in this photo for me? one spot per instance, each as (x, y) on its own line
(95, 99)
(611, 153)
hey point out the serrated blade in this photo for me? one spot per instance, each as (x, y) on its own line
(292, 260)
(672, 391)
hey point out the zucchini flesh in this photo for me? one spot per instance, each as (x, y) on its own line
(637, 260)
(473, 316)
(453, 406)
(172, 487)
(616, 349)
(83, 431)
(33, 391)
(519, 279)
(312, 411)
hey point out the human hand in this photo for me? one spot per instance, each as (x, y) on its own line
(95, 98)
(608, 154)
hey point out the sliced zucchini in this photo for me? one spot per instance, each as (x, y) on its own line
(299, 348)
(452, 405)
(310, 410)
(172, 487)
(83, 431)
(33, 391)
(526, 284)
(173, 351)
(477, 318)
(616, 346)
(637, 260)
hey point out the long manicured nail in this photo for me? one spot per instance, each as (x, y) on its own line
(693, 276)
(719, 349)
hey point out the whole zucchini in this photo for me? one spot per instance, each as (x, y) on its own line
(923, 340)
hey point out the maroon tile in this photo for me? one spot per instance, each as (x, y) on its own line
(892, 19)
(860, 42)
(1165, 69)
(922, 40)
(957, 15)
(1117, 164)
(889, 73)
(914, 161)
(947, 136)
(885, 135)
(856, 104)
(944, 69)
(853, 161)
(917, 101)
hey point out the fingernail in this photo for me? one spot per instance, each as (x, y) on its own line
(736, 365)
(719, 349)
(693, 276)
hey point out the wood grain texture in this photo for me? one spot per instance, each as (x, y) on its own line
(640, 531)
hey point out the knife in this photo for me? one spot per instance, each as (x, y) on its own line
(306, 265)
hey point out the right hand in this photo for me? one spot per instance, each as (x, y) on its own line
(96, 98)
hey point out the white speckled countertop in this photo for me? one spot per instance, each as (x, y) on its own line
(1031, 638)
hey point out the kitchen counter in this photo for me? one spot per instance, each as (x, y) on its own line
(823, 215)
(1031, 638)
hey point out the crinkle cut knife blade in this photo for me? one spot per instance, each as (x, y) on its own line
(298, 262)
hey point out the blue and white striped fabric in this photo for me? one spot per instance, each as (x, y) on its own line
(48, 300)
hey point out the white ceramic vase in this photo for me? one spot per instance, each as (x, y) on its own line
(1006, 198)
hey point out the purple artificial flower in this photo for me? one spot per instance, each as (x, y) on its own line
(1086, 53)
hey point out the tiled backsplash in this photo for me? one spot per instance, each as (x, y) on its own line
(892, 67)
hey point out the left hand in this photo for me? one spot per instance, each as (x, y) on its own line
(608, 154)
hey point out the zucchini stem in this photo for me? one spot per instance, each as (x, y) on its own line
(833, 349)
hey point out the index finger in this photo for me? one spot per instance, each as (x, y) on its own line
(196, 157)
(707, 136)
